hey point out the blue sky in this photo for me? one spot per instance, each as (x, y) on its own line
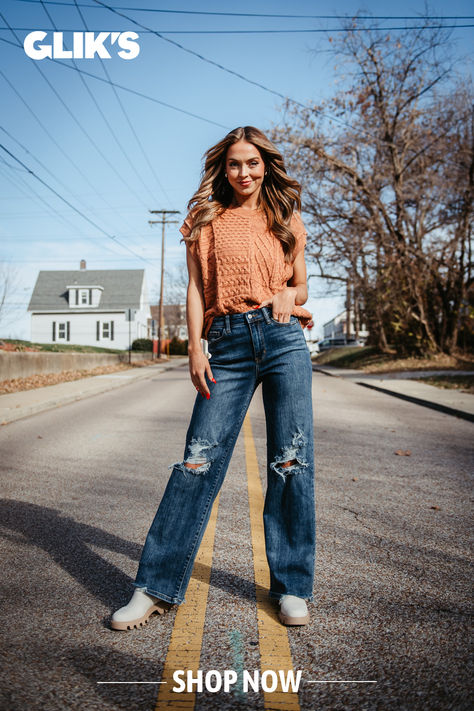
(115, 160)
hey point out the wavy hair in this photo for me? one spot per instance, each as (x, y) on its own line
(279, 195)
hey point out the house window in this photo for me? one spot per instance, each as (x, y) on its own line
(62, 330)
(105, 329)
(85, 297)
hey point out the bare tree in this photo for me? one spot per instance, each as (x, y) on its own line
(388, 185)
(9, 287)
(175, 288)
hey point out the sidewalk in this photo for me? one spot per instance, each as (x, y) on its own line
(15, 406)
(403, 385)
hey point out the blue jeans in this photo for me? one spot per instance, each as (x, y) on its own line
(246, 349)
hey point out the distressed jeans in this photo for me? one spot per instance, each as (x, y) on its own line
(246, 349)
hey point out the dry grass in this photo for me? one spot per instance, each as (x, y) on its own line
(44, 379)
(463, 383)
(370, 360)
(436, 362)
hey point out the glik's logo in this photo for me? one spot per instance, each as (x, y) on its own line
(85, 45)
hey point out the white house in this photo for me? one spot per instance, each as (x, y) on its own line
(343, 326)
(174, 317)
(90, 307)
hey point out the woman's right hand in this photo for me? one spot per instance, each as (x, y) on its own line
(199, 367)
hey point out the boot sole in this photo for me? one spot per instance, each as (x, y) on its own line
(293, 621)
(140, 621)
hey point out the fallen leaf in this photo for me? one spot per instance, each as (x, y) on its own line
(354, 478)
(403, 452)
(435, 508)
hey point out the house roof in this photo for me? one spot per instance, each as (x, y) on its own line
(342, 314)
(122, 288)
(169, 311)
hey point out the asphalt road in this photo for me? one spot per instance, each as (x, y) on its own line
(81, 484)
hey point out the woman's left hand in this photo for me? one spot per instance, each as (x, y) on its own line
(282, 303)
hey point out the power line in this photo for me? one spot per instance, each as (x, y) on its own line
(145, 155)
(219, 66)
(332, 30)
(196, 54)
(45, 129)
(125, 88)
(67, 260)
(107, 123)
(79, 212)
(71, 114)
(19, 181)
(38, 120)
(45, 168)
(326, 114)
(246, 79)
(232, 72)
(261, 14)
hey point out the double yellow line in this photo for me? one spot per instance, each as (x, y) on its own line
(184, 650)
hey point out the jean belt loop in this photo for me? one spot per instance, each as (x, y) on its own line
(227, 323)
(265, 311)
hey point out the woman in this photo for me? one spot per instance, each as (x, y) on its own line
(247, 281)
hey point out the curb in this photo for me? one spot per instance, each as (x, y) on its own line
(318, 369)
(425, 403)
(102, 387)
(445, 409)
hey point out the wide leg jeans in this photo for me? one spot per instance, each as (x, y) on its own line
(246, 349)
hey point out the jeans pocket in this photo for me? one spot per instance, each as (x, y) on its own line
(293, 319)
(215, 334)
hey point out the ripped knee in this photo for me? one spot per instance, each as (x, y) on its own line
(197, 462)
(291, 459)
(289, 464)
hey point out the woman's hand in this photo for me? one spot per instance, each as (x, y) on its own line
(282, 303)
(199, 367)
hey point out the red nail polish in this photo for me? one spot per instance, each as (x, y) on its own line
(213, 380)
(208, 396)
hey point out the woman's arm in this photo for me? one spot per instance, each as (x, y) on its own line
(299, 279)
(198, 361)
(295, 293)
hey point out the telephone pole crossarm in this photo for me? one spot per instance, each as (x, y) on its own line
(163, 222)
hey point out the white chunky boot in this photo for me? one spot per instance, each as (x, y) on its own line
(293, 610)
(140, 608)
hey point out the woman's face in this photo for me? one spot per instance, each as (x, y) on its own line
(245, 169)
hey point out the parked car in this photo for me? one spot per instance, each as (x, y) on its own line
(313, 347)
(328, 343)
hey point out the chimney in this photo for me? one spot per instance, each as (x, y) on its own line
(83, 264)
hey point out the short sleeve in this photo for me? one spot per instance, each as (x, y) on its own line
(185, 230)
(299, 230)
(187, 225)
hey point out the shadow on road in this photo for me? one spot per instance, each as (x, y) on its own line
(68, 543)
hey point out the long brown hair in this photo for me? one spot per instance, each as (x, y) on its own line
(279, 194)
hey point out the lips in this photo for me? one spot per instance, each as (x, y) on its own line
(245, 183)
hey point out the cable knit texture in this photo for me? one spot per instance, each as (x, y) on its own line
(242, 263)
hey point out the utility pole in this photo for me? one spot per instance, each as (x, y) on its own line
(163, 222)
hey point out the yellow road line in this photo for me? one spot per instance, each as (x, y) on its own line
(184, 650)
(273, 638)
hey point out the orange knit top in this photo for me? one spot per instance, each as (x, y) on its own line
(242, 263)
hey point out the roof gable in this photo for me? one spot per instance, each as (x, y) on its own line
(122, 288)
